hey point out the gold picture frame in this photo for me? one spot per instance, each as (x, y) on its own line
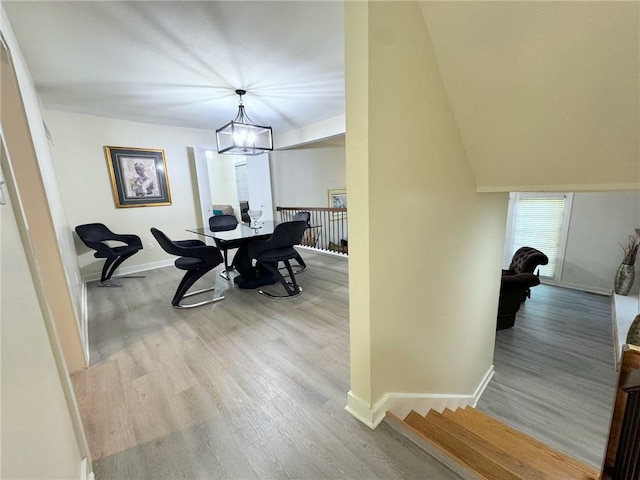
(138, 177)
(338, 199)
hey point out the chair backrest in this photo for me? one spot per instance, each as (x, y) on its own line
(166, 243)
(244, 209)
(95, 236)
(526, 259)
(94, 232)
(302, 216)
(220, 223)
(285, 234)
(206, 253)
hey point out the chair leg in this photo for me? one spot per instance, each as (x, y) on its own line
(191, 277)
(109, 268)
(292, 288)
(302, 265)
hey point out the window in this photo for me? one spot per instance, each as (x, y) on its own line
(242, 182)
(539, 220)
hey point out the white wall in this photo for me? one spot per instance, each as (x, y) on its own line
(600, 221)
(83, 174)
(301, 177)
(222, 180)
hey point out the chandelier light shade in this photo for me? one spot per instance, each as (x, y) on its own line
(242, 136)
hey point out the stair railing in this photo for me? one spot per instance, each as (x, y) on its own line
(622, 458)
(328, 227)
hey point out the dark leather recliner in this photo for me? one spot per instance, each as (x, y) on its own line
(526, 260)
(512, 288)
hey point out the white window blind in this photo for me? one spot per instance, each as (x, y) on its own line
(242, 182)
(539, 222)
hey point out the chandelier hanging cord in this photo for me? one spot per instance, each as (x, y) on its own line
(242, 116)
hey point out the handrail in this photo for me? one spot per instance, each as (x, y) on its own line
(623, 453)
(328, 227)
(310, 209)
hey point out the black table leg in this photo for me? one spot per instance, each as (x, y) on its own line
(250, 277)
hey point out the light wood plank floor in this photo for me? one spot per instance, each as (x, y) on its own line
(555, 376)
(255, 388)
(245, 388)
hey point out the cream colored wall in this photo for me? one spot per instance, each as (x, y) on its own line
(38, 438)
(82, 170)
(42, 434)
(545, 94)
(30, 157)
(358, 173)
(301, 177)
(600, 221)
(426, 324)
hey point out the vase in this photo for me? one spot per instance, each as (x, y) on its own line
(624, 279)
(633, 335)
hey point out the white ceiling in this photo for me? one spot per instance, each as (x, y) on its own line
(179, 63)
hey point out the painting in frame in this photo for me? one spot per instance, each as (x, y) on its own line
(337, 199)
(138, 177)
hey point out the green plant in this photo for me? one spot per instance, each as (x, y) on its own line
(630, 249)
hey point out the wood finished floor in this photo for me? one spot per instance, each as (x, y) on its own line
(555, 376)
(245, 388)
(255, 388)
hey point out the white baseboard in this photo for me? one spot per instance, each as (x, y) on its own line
(84, 320)
(583, 288)
(86, 472)
(400, 404)
(124, 271)
(323, 252)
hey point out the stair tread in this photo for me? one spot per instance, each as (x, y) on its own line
(475, 454)
(507, 437)
(500, 460)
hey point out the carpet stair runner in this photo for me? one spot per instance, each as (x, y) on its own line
(476, 445)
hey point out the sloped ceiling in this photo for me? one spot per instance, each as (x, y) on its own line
(179, 62)
(545, 94)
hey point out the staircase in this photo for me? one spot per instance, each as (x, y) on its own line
(475, 445)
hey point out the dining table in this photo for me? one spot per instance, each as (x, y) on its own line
(241, 236)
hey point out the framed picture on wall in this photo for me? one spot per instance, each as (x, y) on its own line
(338, 199)
(138, 177)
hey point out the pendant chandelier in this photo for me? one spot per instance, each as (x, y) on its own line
(242, 136)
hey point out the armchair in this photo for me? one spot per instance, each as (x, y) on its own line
(512, 288)
(526, 260)
(196, 258)
(279, 248)
(96, 236)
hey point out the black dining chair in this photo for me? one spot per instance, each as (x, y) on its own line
(197, 259)
(306, 218)
(279, 248)
(221, 223)
(96, 236)
(244, 212)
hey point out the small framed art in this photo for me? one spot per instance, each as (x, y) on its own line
(337, 199)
